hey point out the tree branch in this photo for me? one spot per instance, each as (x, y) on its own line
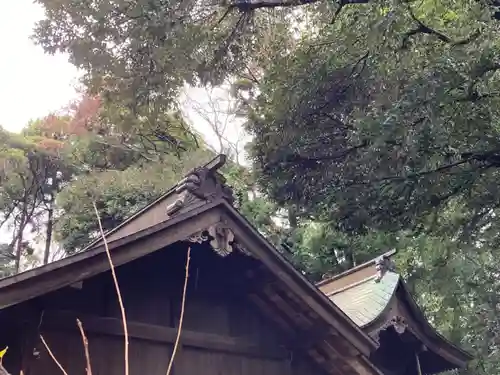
(342, 4)
(296, 158)
(248, 5)
(422, 29)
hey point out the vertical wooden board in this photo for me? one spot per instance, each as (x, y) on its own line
(148, 358)
(15, 334)
(68, 351)
(245, 320)
(144, 357)
(197, 362)
(106, 354)
(260, 366)
(145, 293)
(302, 365)
(203, 315)
(207, 299)
(204, 362)
(145, 303)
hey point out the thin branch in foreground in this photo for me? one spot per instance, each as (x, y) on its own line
(85, 342)
(117, 288)
(181, 317)
(52, 356)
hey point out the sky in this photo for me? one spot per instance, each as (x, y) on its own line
(32, 83)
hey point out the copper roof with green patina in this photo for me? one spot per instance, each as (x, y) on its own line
(364, 301)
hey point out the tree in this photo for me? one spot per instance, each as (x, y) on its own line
(137, 56)
(386, 131)
(374, 126)
(118, 194)
(393, 136)
(31, 165)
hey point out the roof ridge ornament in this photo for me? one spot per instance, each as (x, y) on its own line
(384, 264)
(204, 183)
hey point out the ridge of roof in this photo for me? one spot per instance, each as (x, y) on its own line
(386, 255)
(367, 303)
(357, 283)
(192, 187)
(210, 168)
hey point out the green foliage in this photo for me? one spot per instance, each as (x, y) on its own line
(138, 55)
(382, 120)
(31, 168)
(59, 165)
(389, 139)
(118, 194)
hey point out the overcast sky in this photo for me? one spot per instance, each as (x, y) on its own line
(32, 84)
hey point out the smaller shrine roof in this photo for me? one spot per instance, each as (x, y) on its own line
(374, 296)
(366, 300)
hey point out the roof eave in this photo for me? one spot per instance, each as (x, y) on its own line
(364, 344)
(453, 353)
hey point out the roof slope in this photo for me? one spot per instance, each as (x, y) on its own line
(365, 301)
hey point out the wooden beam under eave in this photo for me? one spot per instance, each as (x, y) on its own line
(293, 335)
(334, 363)
(271, 314)
(363, 366)
(295, 315)
(66, 321)
(311, 338)
(294, 281)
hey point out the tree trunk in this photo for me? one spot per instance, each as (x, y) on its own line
(19, 245)
(48, 236)
(292, 218)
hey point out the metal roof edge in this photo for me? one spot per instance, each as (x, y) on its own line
(371, 262)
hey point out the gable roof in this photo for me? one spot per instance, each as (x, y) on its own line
(373, 295)
(198, 204)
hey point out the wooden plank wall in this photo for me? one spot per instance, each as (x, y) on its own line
(222, 334)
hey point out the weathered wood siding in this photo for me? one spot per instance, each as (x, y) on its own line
(222, 332)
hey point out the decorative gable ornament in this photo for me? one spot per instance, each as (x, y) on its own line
(202, 185)
(220, 238)
(383, 265)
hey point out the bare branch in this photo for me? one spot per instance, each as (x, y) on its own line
(296, 158)
(117, 288)
(181, 317)
(85, 342)
(52, 356)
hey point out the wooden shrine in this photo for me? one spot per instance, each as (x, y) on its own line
(247, 310)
